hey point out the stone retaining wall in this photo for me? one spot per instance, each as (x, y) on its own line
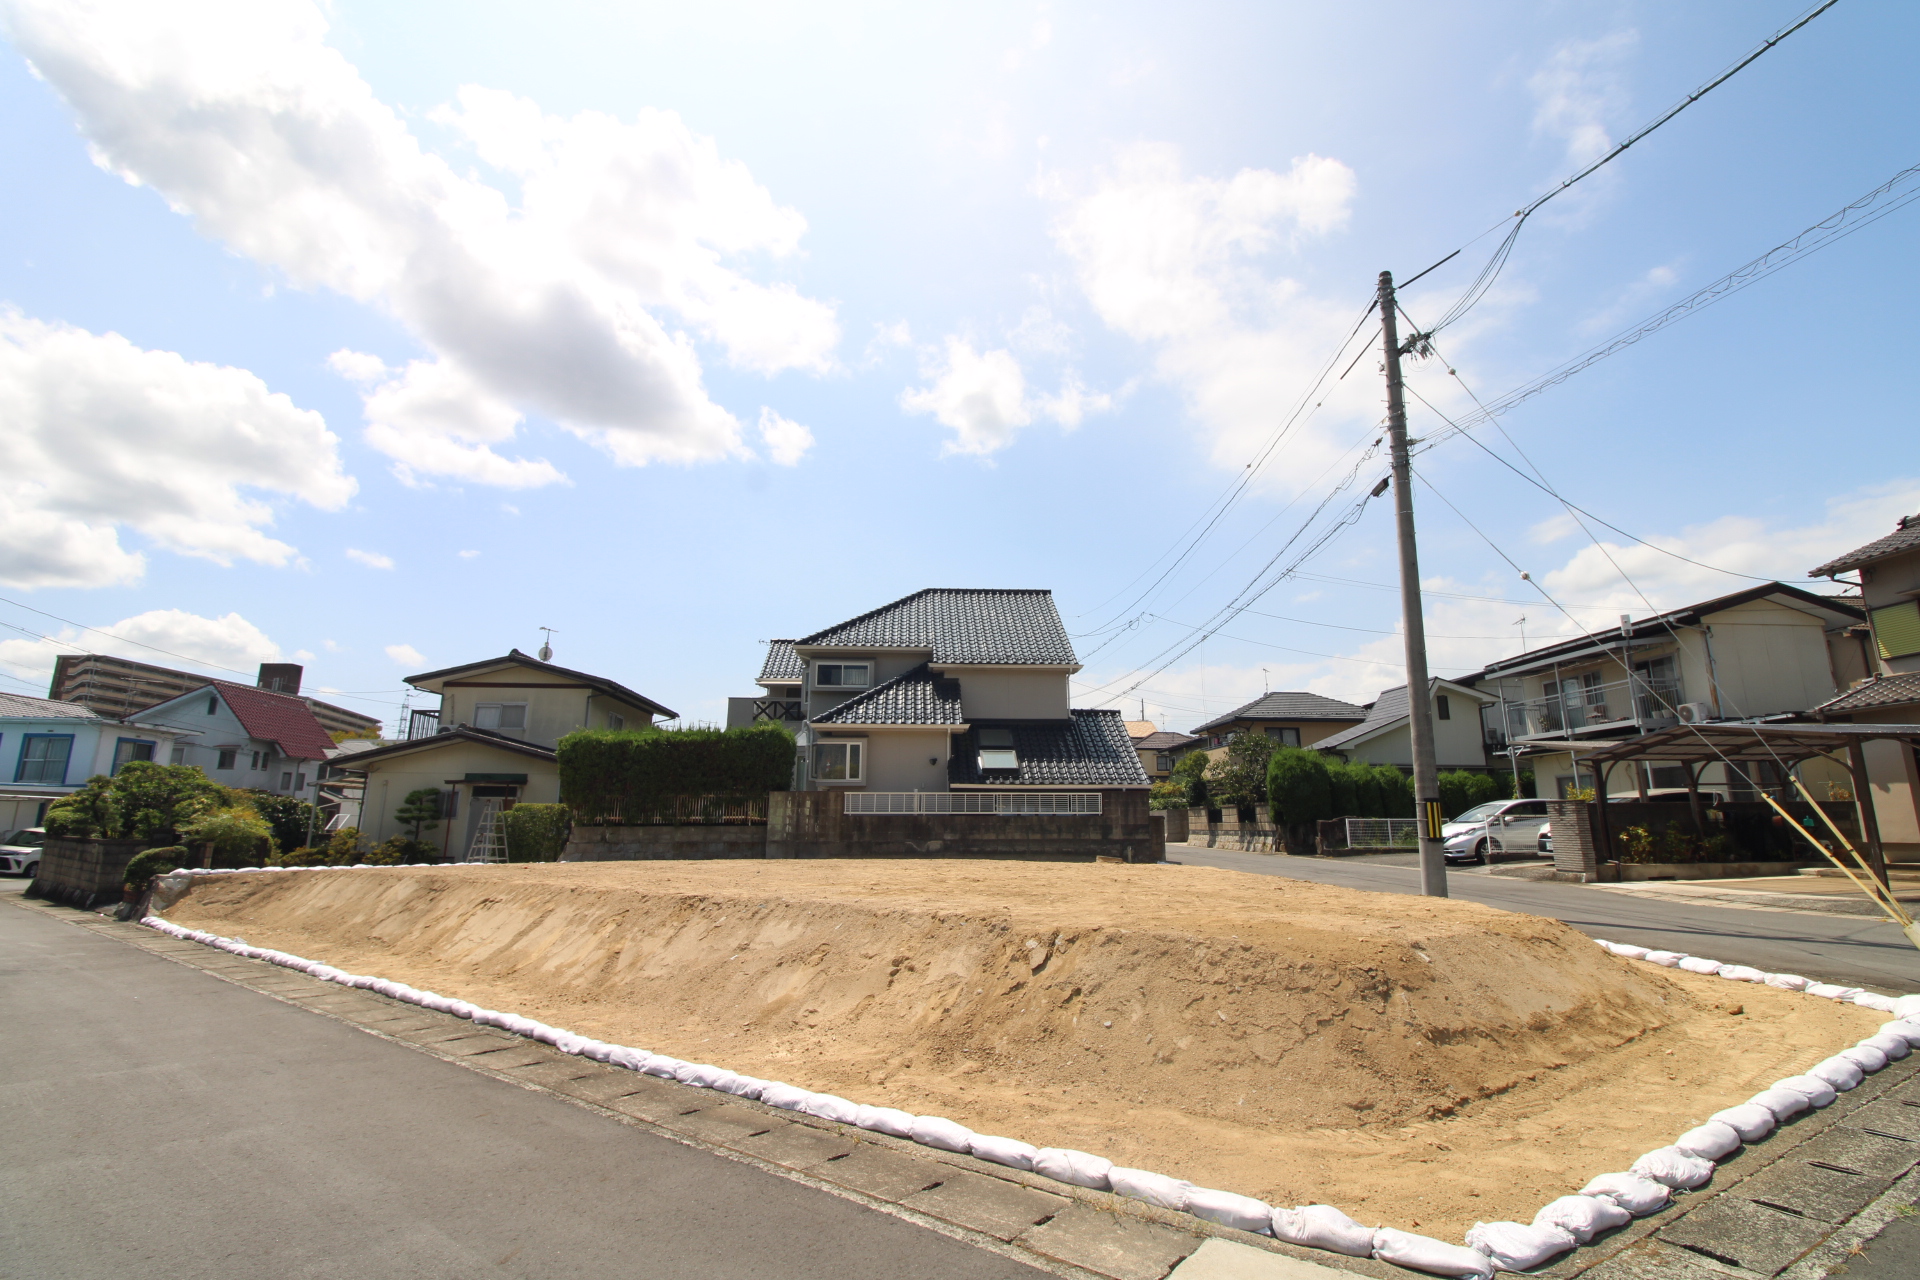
(83, 873)
(639, 844)
(814, 824)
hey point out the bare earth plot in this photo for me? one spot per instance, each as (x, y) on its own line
(1420, 1063)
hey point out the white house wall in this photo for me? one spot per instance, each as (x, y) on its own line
(1013, 695)
(904, 760)
(389, 782)
(556, 704)
(1768, 659)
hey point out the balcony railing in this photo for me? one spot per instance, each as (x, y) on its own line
(423, 724)
(1581, 707)
(779, 709)
(1005, 803)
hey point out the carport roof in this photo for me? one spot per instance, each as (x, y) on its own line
(1701, 743)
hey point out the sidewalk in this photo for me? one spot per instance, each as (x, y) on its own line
(1835, 895)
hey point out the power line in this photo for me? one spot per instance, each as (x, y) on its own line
(1490, 272)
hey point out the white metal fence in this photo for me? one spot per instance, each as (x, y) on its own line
(1000, 802)
(1382, 833)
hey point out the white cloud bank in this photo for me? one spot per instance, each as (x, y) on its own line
(371, 559)
(98, 435)
(239, 114)
(229, 642)
(787, 441)
(982, 396)
(406, 655)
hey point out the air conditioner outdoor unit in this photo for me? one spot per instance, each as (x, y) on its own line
(1695, 712)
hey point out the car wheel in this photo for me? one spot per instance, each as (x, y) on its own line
(1480, 852)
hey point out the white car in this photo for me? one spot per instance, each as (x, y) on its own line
(20, 855)
(1498, 826)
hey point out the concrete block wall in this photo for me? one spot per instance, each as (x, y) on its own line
(814, 824)
(84, 873)
(636, 844)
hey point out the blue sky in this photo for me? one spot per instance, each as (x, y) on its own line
(379, 337)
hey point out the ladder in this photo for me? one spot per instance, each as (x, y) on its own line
(490, 837)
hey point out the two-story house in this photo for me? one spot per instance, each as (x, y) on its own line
(491, 744)
(1161, 749)
(1888, 692)
(49, 747)
(1288, 719)
(246, 737)
(947, 690)
(1770, 650)
(1386, 735)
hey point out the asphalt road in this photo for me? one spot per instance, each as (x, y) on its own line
(1853, 950)
(160, 1122)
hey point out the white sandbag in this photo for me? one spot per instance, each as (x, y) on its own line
(1742, 973)
(1750, 1120)
(1011, 1152)
(488, 1018)
(1908, 1031)
(1817, 1091)
(659, 1064)
(1154, 1188)
(1627, 950)
(1784, 1103)
(1709, 1141)
(938, 1131)
(1321, 1226)
(742, 1086)
(1874, 1000)
(568, 1042)
(1582, 1217)
(785, 1096)
(828, 1106)
(1424, 1253)
(1694, 964)
(459, 1008)
(1672, 1167)
(700, 1075)
(1512, 1246)
(1895, 1047)
(598, 1050)
(1075, 1168)
(1243, 1213)
(1637, 1195)
(622, 1056)
(1865, 1057)
(1906, 1007)
(890, 1120)
(546, 1034)
(1828, 991)
(1665, 959)
(1838, 1072)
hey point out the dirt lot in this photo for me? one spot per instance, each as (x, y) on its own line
(1416, 1062)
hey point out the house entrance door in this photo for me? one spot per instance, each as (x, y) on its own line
(503, 797)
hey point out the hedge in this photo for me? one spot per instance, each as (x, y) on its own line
(641, 775)
(536, 832)
(1299, 786)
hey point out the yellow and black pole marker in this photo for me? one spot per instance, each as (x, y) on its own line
(1434, 821)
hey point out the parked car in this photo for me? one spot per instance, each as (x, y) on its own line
(1546, 840)
(1498, 826)
(20, 855)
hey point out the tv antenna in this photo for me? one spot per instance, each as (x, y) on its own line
(546, 646)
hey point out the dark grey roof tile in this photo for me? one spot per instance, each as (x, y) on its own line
(1289, 706)
(782, 663)
(1905, 537)
(1881, 691)
(1091, 750)
(913, 697)
(961, 626)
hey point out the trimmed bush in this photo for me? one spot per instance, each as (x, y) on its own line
(1191, 773)
(1299, 786)
(1461, 790)
(289, 819)
(1395, 791)
(536, 832)
(239, 836)
(153, 862)
(643, 775)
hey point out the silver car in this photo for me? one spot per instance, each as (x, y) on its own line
(20, 855)
(1498, 826)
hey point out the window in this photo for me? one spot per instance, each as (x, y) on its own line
(1441, 711)
(127, 750)
(1896, 629)
(502, 716)
(996, 749)
(255, 763)
(179, 756)
(1285, 737)
(1657, 689)
(1163, 762)
(299, 782)
(43, 758)
(228, 757)
(286, 780)
(841, 675)
(616, 722)
(213, 705)
(839, 762)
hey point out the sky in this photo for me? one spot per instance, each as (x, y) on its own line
(381, 337)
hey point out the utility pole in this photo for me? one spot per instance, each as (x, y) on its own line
(1426, 776)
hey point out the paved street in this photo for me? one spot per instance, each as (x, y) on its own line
(1855, 950)
(161, 1122)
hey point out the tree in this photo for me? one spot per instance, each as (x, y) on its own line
(156, 800)
(291, 820)
(236, 833)
(1239, 777)
(420, 810)
(1299, 786)
(1191, 773)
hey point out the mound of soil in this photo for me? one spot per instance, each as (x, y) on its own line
(1414, 1061)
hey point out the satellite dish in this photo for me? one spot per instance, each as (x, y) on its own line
(546, 646)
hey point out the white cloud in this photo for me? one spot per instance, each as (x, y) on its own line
(174, 635)
(240, 115)
(1578, 91)
(468, 555)
(303, 655)
(786, 440)
(1176, 263)
(371, 559)
(1631, 301)
(101, 435)
(982, 396)
(406, 655)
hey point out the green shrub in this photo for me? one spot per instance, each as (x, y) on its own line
(157, 800)
(1395, 790)
(420, 810)
(638, 775)
(239, 836)
(304, 856)
(1299, 786)
(289, 820)
(1169, 793)
(92, 812)
(536, 832)
(153, 862)
(1191, 774)
(1239, 776)
(1461, 790)
(398, 851)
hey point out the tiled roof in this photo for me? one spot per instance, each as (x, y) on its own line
(1290, 706)
(961, 626)
(782, 663)
(913, 697)
(1390, 706)
(18, 706)
(1164, 740)
(1881, 691)
(279, 718)
(1905, 537)
(1093, 750)
(518, 658)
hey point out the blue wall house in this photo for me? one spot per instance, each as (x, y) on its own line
(49, 749)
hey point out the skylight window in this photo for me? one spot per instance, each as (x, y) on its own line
(996, 749)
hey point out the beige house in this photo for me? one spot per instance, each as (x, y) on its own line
(1288, 719)
(1386, 735)
(1770, 650)
(490, 745)
(1888, 692)
(1160, 750)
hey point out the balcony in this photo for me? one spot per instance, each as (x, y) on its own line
(423, 724)
(1593, 708)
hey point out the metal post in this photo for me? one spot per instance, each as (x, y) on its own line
(1863, 806)
(1426, 777)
